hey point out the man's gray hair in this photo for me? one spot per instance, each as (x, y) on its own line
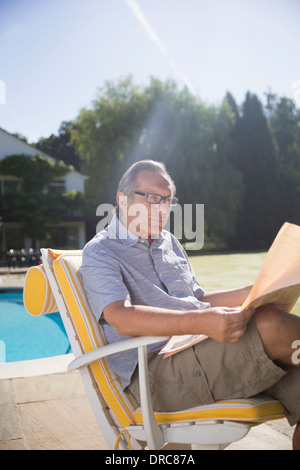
(127, 182)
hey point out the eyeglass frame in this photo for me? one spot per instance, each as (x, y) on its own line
(172, 198)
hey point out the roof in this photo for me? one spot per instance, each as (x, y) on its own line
(12, 145)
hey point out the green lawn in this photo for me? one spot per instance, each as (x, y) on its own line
(227, 271)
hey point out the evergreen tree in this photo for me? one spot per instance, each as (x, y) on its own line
(284, 121)
(256, 158)
(228, 188)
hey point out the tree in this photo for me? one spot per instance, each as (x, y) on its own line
(129, 123)
(105, 135)
(256, 158)
(226, 185)
(60, 146)
(285, 126)
(284, 122)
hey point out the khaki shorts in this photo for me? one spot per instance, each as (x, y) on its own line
(213, 371)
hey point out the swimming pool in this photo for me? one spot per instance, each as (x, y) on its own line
(23, 337)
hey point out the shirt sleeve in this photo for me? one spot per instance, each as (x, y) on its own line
(102, 280)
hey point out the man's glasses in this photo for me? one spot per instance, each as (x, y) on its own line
(156, 198)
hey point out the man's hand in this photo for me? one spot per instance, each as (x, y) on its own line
(226, 325)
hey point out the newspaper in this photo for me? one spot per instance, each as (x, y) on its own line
(278, 282)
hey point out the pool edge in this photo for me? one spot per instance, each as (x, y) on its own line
(36, 367)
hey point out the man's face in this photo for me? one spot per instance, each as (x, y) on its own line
(144, 219)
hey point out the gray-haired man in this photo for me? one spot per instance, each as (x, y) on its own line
(139, 281)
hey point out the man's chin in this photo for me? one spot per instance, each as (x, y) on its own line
(150, 231)
(155, 230)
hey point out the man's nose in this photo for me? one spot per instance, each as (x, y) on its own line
(161, 207)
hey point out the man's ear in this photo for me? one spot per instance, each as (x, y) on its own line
(122, 200)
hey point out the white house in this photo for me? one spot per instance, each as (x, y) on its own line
(69, 233)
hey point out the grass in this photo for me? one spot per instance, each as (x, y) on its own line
(228, 271)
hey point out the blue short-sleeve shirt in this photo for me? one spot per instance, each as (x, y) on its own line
(117, 265)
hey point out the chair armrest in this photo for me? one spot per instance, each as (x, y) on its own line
(132, 343)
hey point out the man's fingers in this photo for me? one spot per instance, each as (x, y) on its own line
(239, 327)
(231, 324)
(237, 334)
(248, 312)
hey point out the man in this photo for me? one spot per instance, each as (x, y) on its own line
(139, 282)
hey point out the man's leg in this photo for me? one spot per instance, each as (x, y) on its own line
(296, 438)
(213, 371)
(278, 330)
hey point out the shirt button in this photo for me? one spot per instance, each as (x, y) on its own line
(197, 373)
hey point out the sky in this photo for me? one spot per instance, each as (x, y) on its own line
(55, 55)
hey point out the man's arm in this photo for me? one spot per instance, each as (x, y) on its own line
(220, 323)
(229, 298)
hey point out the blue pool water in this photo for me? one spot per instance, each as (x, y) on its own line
(23, 336)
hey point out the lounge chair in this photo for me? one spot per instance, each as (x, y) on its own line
(56, 286)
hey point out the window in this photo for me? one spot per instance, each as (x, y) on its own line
(59, 186)
(7, 185)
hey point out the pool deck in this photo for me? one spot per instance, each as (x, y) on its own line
(45, 412)
(42, 407)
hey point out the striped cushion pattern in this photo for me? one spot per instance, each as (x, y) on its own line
(251, 410)
(90, 335)
(37, 294)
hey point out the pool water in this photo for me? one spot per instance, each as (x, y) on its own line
(24, 337)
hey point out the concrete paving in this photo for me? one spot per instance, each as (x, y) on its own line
(42, 407)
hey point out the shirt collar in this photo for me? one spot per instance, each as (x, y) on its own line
(117, 230)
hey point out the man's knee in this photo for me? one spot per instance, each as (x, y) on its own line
(269, 319)
(277, 330)
(270, 325)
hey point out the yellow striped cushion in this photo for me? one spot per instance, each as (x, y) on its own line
(37, 295)
(90, 335)
(251, 410)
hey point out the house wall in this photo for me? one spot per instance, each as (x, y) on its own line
(11, 145)
(75, 181)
